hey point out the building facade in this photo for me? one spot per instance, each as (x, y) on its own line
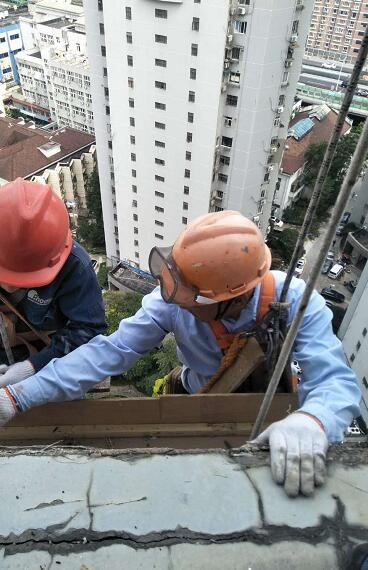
(55, 73)
(191, 104)
(337, 29)
(353, 333)
(10, 44)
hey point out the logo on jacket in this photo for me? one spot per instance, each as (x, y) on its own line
(35, 298)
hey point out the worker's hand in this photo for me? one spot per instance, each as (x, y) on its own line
(298, 446)
(8, 408)
(15, 373)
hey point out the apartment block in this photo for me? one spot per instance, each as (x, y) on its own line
(191, 105)
(337, 29)
(10, 44)
(55, 73)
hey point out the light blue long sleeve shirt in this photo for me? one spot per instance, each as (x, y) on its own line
(328, 387)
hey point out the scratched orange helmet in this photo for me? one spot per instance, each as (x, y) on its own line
(35, 238)
(217, 257)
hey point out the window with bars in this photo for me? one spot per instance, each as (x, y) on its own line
(130, 60)
(194, 49)
(186, 190)
(186, 173)
(132, 121)
(195, 24)
(134, 203)
(185, 206)
(135, 230)
(225, 160)
(184, 220)
(130, 82)
(188, 155)
(135, 217)
(189, 137)
(134, 173)
(129, 37)
(131, 102)
(103, 51)
(232, 100)
(191, 97)
(133, 157)
(134, 188)
(222, 177)
(190, 117)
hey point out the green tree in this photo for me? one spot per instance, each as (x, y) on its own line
(282, 244)
(120, 305)
(90, 226)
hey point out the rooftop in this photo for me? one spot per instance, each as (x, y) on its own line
(25, 148)
(57, 22)
(313, 125)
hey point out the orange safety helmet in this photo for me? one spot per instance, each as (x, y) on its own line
(218, 256)
(35, 239)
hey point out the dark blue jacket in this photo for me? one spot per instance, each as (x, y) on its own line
(72, 305)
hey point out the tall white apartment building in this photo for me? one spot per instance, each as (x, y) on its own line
(191, 102)
(353, 333)
(55, 73)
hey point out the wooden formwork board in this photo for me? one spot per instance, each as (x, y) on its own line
(140, 422)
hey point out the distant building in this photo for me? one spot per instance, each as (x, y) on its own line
(312, 125)
(55, 74)
(64, 158)
(191, 104)
(11, 43)
(337, 29)
(353, 333)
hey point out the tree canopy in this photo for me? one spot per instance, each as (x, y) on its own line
(90, 226)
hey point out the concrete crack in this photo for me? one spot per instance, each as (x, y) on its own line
(52, 504)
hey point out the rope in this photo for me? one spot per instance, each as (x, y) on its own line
(228, 359)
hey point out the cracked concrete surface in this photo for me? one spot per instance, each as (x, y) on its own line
(88, 509)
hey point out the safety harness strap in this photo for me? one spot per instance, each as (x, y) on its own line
(267, 296)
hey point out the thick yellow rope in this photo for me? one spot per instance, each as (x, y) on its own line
(227, 360)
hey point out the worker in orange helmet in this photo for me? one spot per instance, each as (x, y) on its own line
(215, 273)
(47, 283)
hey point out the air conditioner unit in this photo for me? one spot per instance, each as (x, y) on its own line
(300, 4)
(255, 218)
(223, 87)
(280, 109)
(273, 149)
(241, 11)
(229, 39)
(288, 63)
(293, 38)
(269, 168)
(226, 64)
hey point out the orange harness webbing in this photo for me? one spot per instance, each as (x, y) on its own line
(266, 296)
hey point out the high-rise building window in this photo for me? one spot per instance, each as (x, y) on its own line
(100, 5)
(160, 144)
(134, 189)
(106, 91)
(132, 121)
(186, 189)
(160, 13)
(160, 62)
(197, 1)
(129, 37)
(160, 161)
(195, 24)
(188, 155)
(186, 173)
(128, 13)
(222, 177)
(194, 49)
(159, 236)
(232, 100)
(240, 27)
(107, 110)
(159, 223)
(131, 102)
(185, 205)
(130, 60)
(161, 106)
(189, 137)
(160, 85)
(135, 217)
(159, 209)
(225, 160)
(134, 173)
(130, 82)
(136, 243)
(193, 73)
(105, 71)
(134, 203)
(159, 178)
(159, 39)
(227, 141)
(159, 194)
(191, 96)
(160, 125)
(190, 117)
(135, 230)
(133, 157)
(102, 29)
(109, 144)
(184, 220)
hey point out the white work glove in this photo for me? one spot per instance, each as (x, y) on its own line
(15, 373)
(7, 407)
(298, 447)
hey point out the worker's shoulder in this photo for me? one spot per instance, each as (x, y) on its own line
(78, 256)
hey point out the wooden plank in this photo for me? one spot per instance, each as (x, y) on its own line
(124, 431)
(207, 408)
(247, 360)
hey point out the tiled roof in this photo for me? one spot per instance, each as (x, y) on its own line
(19, 147)
(293, 157)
